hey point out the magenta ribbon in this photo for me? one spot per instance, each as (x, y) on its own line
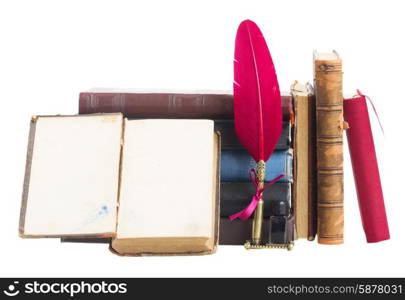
(372, 104)
(248, 210)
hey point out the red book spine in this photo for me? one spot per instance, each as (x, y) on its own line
(365, 170)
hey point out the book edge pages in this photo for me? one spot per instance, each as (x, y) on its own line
(217, 187)
(28, 165)
(26, 183)
(215, 238)
(326, 56)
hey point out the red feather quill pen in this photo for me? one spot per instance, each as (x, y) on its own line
(257, 108)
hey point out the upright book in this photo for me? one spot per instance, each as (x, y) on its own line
(304, 191)
(365, 169)
(102, 176)
(330, 125)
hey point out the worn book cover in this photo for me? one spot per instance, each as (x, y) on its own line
(329, 118)
(235, 165)
(229, 139)
(304, 191)
(235, 196)
(133, 103)
(365, 169)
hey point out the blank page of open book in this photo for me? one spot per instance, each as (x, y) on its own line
(72, 176)
(168, 188)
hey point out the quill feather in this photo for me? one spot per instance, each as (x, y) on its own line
(257, 99)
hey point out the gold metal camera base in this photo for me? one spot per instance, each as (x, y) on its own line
(248, 245)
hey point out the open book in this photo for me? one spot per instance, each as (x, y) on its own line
(151, 185)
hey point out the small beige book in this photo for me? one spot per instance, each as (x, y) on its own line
(304, 193)
(150, 185)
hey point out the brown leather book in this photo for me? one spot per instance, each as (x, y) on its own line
(139, 104)
(304, 204)
(329, 115)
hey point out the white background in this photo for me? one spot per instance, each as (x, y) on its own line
(52, 50)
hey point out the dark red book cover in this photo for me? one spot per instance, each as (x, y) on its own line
(365, 170)
(133, 104)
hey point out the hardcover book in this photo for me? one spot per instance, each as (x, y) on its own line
(235, 196)
(304, 191)
(329, 119)
(100, 176)
(164, 104)
(365, 169)
(229, 140)
(237, 232)
(235, 165)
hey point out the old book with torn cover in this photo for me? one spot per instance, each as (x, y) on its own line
(150, 185)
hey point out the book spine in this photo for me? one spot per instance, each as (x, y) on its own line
(365, 170)
(235, 196)
(301, 147)
(329, 116)
(135, 105)
(165, 105)
(235, 165)
(312, 170)
(229, 139)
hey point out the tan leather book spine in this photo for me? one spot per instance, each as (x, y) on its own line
(329, 115)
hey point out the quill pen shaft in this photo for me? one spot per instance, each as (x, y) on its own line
(257, 107)
(258, 216)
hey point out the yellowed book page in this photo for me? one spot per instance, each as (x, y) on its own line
(72, 185)
(167, 179)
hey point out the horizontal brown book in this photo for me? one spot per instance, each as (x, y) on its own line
(154, 104)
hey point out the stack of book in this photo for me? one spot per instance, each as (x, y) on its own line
(164, 171)
(236, 188)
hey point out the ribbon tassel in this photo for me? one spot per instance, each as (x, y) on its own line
(359, 93)
(249, 210)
